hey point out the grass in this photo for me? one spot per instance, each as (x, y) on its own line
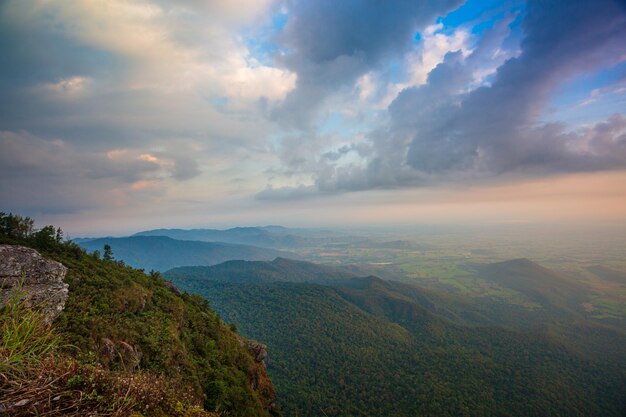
(37, 378)
(25, 337)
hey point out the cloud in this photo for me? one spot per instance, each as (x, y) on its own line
(71, 88)
(462, 127)
(330, 44)
(288, 193)
(496, 129)
(185, 168)
(37, 172)
(25, 155)
(127, 66)
(108, 105)
(169, 91)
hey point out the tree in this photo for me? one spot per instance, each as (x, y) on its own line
(16, 226)
(46, 237)
(108, 253)
(59, 235)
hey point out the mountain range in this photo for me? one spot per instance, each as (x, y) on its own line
(358, 346)
(161, 253)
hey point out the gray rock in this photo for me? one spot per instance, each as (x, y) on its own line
(40, 279)
(173, 289)
(259, 351)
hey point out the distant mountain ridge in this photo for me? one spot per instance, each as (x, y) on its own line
(264, 236)
(161, 253)
(277, 237)
(278, 270)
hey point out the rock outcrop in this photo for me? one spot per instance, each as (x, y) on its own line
(173, 288)
(39, 279)
(258, 378)
(119, 354)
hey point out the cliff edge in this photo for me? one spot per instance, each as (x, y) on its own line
(39, 280)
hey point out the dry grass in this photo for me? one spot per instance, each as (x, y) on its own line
(37, 380)
(62, 387)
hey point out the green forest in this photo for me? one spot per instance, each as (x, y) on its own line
(180, 344)
(365, 346)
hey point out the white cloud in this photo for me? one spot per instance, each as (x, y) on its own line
(433, 48)
(66, 89)
(168, 48)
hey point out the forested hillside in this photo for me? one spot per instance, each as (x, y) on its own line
(280, 269)
(370, 347)
(128, 324)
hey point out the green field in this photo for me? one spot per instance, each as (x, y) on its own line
(447, 261)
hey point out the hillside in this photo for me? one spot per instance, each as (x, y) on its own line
(161, 253)
(547, 288)
(370, 347)
(608, 274)
(121, 325)
(280, 269)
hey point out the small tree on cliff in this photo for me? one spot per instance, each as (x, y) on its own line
(108, 253)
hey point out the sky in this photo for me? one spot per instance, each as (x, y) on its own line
(123, 115)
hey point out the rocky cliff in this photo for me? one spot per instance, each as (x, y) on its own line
(39, 280)
(258, 378)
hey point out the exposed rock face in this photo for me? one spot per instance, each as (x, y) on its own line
(259, 351)
(41, 279)
(258, 378)
(261, 383)
(173, 288)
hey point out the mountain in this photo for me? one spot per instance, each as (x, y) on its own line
(265, 236)
(161, 253)
(547, 288)
(365, 346)
(456, 308)
(280, 269)
(256, 236)
(608, 274)
(123, 342)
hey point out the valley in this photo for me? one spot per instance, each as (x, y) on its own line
(365, 322)
(313, 208)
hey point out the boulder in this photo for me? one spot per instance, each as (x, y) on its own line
(40, 280)
(258, 350)
(173, 289)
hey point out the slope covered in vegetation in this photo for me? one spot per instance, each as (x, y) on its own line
(121, 325)
(280, 269)
(371, 347)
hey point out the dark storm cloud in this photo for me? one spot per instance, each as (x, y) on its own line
(330, 43)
